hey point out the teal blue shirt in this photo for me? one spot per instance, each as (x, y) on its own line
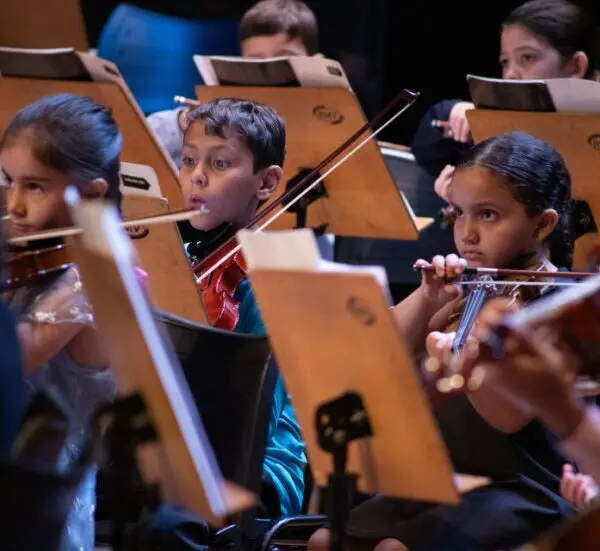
(284, 456)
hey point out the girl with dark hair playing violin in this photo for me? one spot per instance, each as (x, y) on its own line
(233, 151)
(56, 142)
(510, 197)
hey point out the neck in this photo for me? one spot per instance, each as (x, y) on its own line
(530, 260)
(202, 243)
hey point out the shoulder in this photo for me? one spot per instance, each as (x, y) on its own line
(62, 301)
(165, 124)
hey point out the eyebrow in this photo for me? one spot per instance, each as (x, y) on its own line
(480, 205)
(28, 177)
(212, 147)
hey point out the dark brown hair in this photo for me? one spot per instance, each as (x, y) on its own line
(73, 135)
(538, 178)
(566, 27)
(259, 126)
(291, 17)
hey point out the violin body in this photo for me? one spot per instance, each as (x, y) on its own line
(34, 265)
(219, 287)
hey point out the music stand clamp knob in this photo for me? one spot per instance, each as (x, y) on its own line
(339, 422)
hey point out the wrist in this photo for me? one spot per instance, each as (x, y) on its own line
(428, 305)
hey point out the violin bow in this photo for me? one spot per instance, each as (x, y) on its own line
(515, 273)
(173, 216)
(292, 196)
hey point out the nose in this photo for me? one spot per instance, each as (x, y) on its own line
(199, 177)
(511, 72)
(15, 202)
(470, 235)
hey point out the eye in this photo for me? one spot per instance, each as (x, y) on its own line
(503, 63)
(34, 187)
(488, 215)
(528, 58)
(221, 164)
(458, 213)
(187, 160)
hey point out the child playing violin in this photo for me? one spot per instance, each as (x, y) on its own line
(233, 151)
(59, 141)
(510, 197)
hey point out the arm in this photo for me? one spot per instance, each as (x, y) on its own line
(582, 445)
(431, 149)
(432, 302)
(60, 316)
(41, 342)
(498, 410)
(416, 314)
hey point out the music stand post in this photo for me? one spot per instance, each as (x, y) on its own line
(125, 424)
(339, 422)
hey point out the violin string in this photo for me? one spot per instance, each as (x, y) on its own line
(314, 184)
(176, 216)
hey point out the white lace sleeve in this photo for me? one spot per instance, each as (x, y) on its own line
(63, 301)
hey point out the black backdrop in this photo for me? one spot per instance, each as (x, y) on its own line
(385, 45)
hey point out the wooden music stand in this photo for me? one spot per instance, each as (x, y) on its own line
(27, 77)
(354, 386)
(362, 199)
(180, 459)
(171, 285)
(42, 24)
(576, 136)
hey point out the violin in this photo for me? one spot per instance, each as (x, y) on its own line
(573, 315)
(521, 285)
(36, 265)
(46, 254)
(218, 290)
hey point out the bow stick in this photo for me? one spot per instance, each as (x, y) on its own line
(173, 216)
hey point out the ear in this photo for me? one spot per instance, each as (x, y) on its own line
(580, 64)
(547, 223)
(268, 182)
(96, 189)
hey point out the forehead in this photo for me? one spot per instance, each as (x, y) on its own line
(275, 45)
(17, 158)
(516, 36)
(477, 185)
(198, 138)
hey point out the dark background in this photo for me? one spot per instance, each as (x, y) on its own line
(384, 45)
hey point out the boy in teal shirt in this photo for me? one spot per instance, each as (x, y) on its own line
(233, 151)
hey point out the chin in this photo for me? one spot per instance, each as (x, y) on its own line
(202, 222)
(478, 262)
